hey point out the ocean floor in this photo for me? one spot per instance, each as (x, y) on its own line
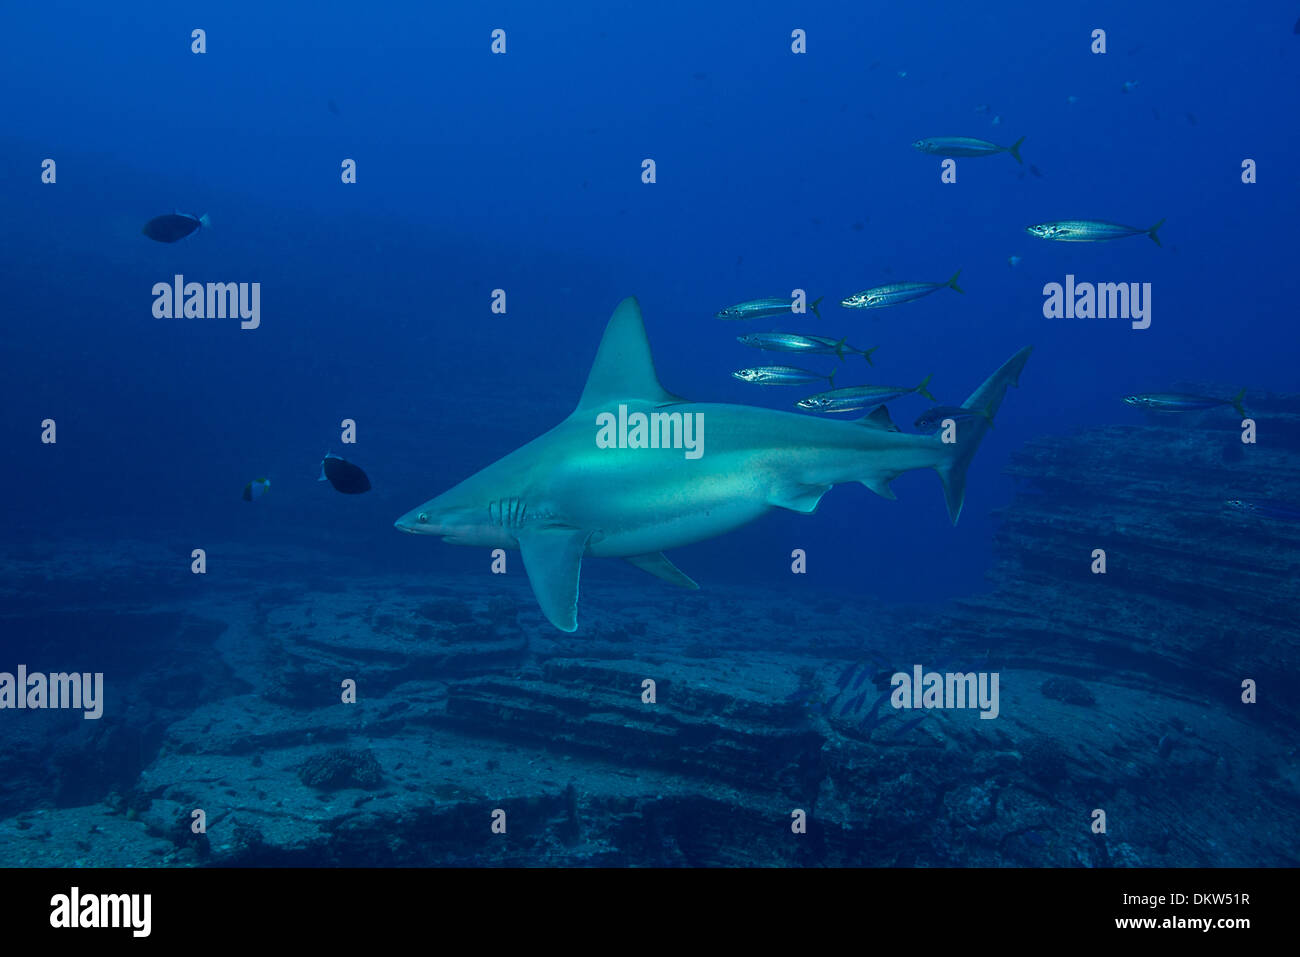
(226, 696)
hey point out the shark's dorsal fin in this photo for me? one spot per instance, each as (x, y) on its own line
(623, 370)
(553, 560)
(878, 418)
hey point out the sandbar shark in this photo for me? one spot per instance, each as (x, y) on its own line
(562, 496)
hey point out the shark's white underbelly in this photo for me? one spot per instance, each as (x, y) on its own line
(674, 532)
(662, 501)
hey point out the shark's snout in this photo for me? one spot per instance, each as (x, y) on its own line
(417, 523)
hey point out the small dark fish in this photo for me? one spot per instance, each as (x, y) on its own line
(343, 475)
(333, 107)
(1181, 402)
(173, 226)
(1191, 118)
(1035, 170)
(1296, 28)
(256, 489)
(1278, 510)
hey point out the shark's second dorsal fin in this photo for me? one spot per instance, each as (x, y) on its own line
(878, 418)
(623, 370)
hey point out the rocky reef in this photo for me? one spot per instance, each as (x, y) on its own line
(1197, 595)
(389, 721)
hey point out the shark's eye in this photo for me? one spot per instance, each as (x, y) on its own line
(424, 518)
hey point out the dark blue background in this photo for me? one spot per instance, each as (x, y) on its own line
(523, 172)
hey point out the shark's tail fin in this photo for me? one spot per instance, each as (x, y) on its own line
(986, 398)
(1236, 403)
(867, 355)
(813, 306)
(1014, 150)
(952, 283)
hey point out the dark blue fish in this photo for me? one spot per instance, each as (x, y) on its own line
(343, 475)
(173, 226)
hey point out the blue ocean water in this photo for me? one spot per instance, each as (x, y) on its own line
(477, 171)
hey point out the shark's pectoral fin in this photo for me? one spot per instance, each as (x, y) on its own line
(657, 564)
(798, 498)
(553, 560)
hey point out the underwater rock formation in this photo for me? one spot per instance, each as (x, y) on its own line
(1196, 597)
(692, 729)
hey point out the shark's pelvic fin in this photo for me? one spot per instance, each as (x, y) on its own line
(623, 370)
(553, 560)
(658, 565)
(799, 498)
(987, 398)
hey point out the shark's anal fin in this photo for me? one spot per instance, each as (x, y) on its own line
(798, 498)
(881, 487)
(553, 560)
(657, 564)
